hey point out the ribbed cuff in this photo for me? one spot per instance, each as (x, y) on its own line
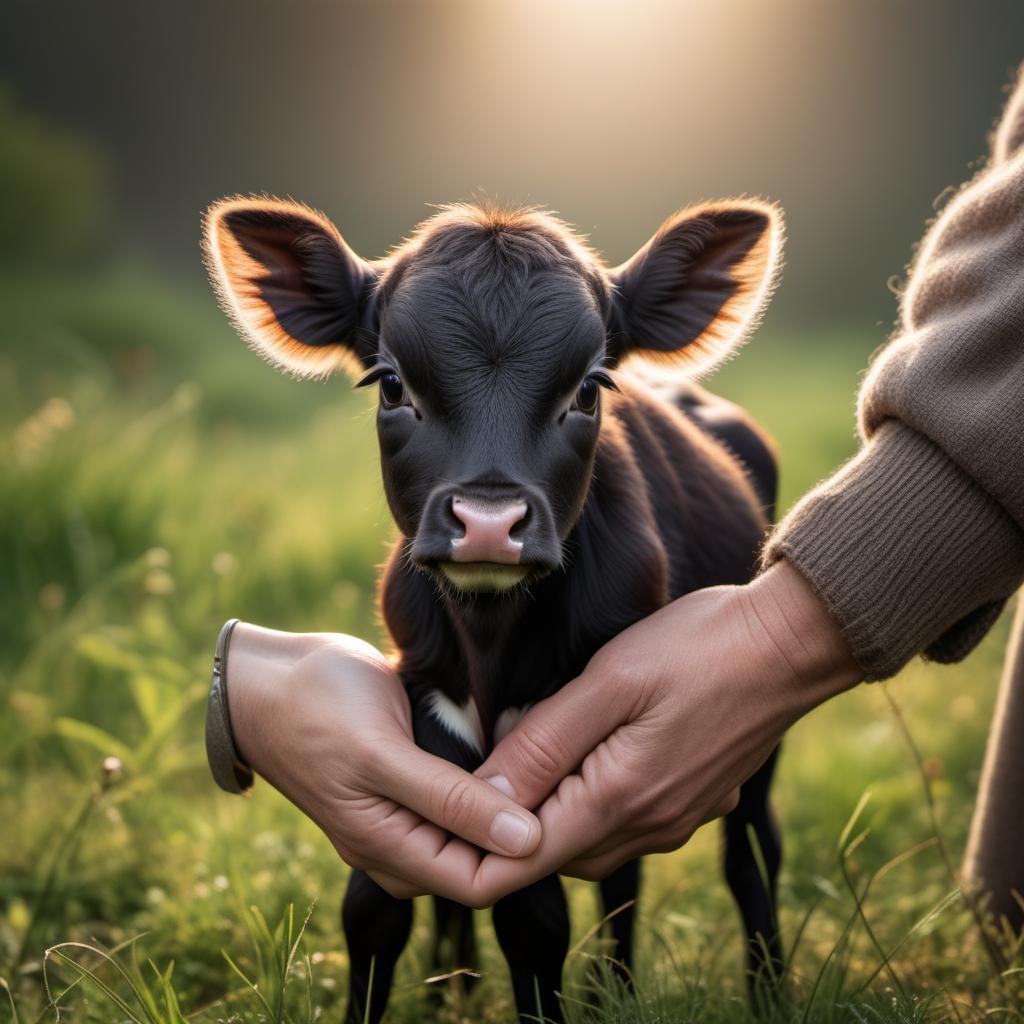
(908, 554)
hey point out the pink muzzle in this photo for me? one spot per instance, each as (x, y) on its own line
(488, 536)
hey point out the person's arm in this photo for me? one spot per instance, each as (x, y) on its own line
(325, 720)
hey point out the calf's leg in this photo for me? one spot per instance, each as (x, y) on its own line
(454, 941)
(532, 926)
(619, 892)
(454, 936)
(756, 899)
(376, 930)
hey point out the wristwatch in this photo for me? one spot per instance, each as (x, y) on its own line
(229, 771)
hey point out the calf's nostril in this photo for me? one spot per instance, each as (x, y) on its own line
(518, 526)
(453, 518)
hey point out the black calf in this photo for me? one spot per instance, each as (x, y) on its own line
(547, 497)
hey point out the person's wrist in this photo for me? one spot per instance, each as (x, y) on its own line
(807, 638)
(257, 667)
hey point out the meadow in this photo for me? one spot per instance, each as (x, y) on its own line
(157, 478)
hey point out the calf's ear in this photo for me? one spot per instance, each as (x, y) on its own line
(699, 285)
(290, 285)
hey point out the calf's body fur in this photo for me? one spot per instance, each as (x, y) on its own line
(490, 332)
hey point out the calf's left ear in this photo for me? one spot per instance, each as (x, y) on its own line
(699, 285)
(291, 285)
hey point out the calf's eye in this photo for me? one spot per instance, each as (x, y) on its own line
(586, 397)
(392, 390)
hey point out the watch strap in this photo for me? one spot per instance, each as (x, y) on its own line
(229, 771)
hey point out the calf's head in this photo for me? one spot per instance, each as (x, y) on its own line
(490, 335)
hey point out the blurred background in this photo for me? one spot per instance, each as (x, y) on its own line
(156, 478)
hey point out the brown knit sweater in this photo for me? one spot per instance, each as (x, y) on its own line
(916, 543)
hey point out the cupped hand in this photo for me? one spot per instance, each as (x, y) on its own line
(325, 720)
(664, 725)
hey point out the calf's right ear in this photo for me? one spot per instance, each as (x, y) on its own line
(692, 293)
(290, 285)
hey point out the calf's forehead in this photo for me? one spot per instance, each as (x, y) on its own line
(445, 321)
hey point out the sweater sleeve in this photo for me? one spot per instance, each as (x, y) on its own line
(917, 542)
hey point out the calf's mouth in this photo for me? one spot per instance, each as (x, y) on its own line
(484, 577)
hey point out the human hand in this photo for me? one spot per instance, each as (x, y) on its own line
(325, 720)
(663, 726)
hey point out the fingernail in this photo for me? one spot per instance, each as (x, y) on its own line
(500, 783)
(510, 831)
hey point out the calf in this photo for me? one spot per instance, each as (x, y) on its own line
(547, 495)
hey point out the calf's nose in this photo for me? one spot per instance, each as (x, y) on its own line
(488, 524)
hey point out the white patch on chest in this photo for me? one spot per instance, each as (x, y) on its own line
(507, 721)
(463, 722)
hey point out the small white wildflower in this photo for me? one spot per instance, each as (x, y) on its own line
(158, 582)
(158, 558)
(110, 771)
(224, 563)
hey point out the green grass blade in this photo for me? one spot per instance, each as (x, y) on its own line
(98, 982)
(250, 985)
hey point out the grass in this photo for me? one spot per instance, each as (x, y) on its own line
(156, 478)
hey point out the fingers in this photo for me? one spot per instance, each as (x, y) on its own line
(582, 834)
(552, 740)
(573, 820)
(408, 856)
(596, 869)
(643, 838)
(726, 805)
(394, 886)
(458, 802)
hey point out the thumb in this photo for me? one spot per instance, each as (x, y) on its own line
(458, 802)
(551, 741)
